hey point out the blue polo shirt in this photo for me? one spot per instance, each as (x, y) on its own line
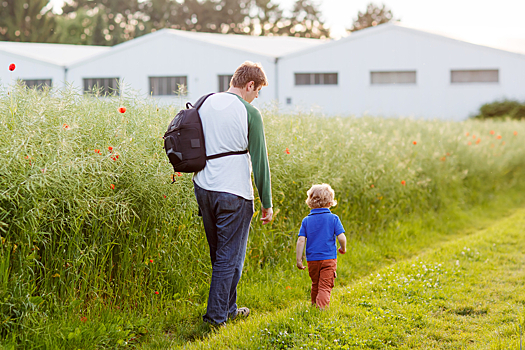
(321, 228)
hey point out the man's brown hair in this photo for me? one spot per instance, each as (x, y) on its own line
(249, 71)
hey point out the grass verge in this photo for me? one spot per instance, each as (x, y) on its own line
(467, 293)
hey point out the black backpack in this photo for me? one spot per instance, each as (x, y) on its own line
(184, 141)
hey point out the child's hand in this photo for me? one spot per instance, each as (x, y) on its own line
(342, 251)
(300, 266)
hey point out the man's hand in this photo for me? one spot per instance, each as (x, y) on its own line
(300, 265)
(267, 214)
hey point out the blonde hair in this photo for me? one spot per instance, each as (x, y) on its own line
(321, 196)
(246, 72)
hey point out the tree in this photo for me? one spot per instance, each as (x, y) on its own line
(101, 22)
(305, 21)
(26, 21)
(373, 16)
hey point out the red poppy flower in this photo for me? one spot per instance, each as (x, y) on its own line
(469, 143)
(83, 319)
(443, 159)
(156, 292)
(415, 143)
(478, 140)
(112, 186)
(498, 137)
(151, 260)
(65, 126)
(403, 182)
(515, 133)
(448, 154)
(110, 149)
(492, 132)
(12, 67)
(165, 196)
(97, 151)
(116, 156)
(122, 109)
(179, 174)
(287, 151)
(288, 287)
(466, 134)
(473, 136)
(26, 157)
(372, 185)
(503, 143)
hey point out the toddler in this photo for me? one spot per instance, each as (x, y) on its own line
(319, 229)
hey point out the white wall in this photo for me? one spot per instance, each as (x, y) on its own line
(394, 48)
(28, 69)
(166, 54)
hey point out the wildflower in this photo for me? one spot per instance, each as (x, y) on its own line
(498, 137)
(151, 261)
(443, 158)
(492, 132)
(165, 196)
(478, 140)
(122, 109)
(179, 174)
(469, 143)
(26, 157)
(503, 143)
(12, 67)
(65, 126)
(515, 133)
(287, 151)
(473, 136)
(112, 186)
(83, 319)
(97, 151)
(415, 142)
(288, 287)
(156, 292)
(110, 149)
(403, 182)
(448, 154)
(466, 134)
(372, 185)
(116, 156)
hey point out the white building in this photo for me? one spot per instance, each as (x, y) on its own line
(388, 70)
(393, 70)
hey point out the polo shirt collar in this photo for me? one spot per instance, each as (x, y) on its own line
(319, 211)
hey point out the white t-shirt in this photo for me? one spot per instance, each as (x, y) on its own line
(225, 124)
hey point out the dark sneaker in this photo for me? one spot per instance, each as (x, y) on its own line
(213, 324)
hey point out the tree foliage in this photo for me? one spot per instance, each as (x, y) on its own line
(373, 16)
(26, 21)
(110, 22)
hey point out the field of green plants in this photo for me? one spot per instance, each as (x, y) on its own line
(99, 249)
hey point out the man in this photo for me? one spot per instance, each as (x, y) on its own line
(224, 188)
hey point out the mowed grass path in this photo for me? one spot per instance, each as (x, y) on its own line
(467, 293)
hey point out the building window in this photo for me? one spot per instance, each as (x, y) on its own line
(474, 76)
(395, 77)
(224, 82)
(36, 83)
(102, 86)
(315, 78)
(166, 86)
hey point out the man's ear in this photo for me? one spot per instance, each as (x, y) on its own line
(251, 83)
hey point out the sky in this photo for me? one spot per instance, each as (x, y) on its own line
(495, 23)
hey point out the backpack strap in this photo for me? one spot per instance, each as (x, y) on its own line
(226, 154)
(199, 102)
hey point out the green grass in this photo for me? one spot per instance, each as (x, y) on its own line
(467, 293)
(77, 252)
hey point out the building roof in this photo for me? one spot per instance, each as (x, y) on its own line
(273, 46)
(58, 54)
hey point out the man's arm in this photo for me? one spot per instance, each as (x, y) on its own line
(259, 157)
(299, 252)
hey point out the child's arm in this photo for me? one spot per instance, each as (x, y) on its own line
(299, 252)
(342, 242)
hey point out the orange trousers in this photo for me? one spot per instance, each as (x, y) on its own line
(322, 273)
